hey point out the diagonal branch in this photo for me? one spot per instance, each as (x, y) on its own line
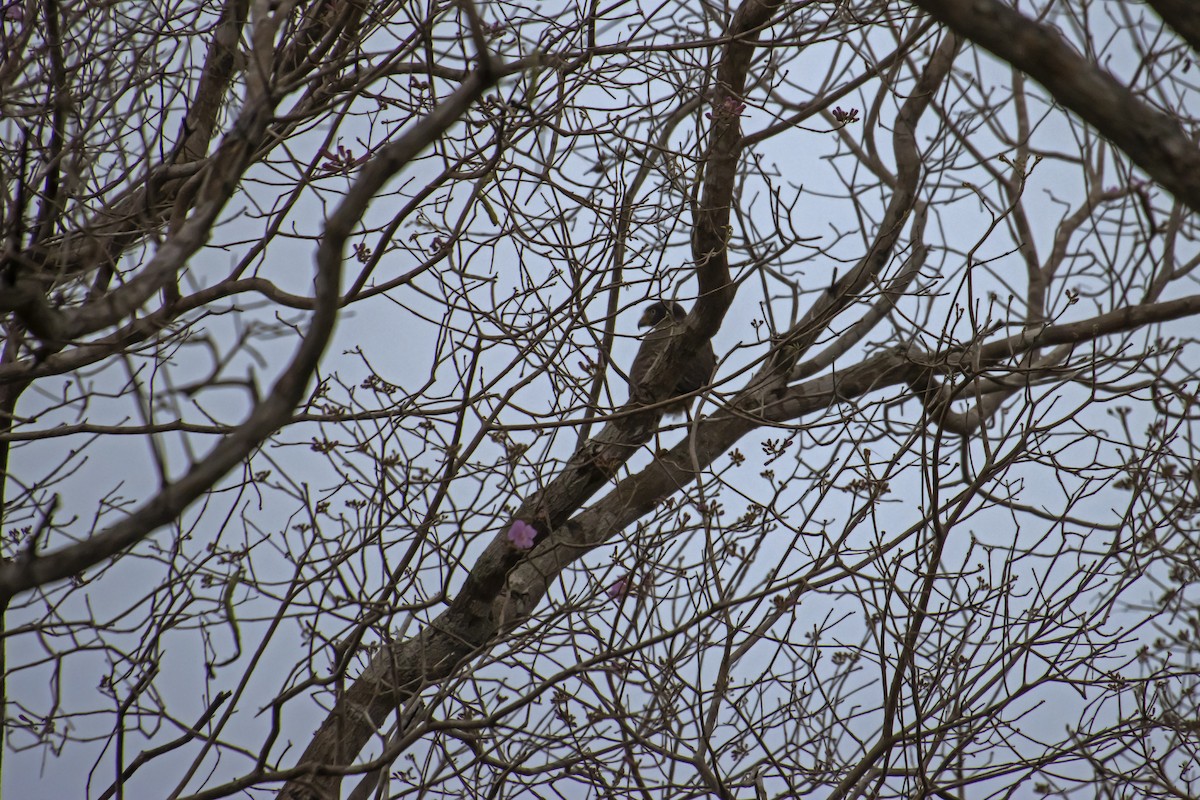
(400, 670)
(639, 494)
(1152, 140)
(782, 361)
(1183, 16)
(277, 408)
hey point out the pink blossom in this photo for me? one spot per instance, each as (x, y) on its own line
(843, 116)
(728, 108)
(619, 588)
(522, 535)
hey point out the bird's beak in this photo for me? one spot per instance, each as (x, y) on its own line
(647, 319)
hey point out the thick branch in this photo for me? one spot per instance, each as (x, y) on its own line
(1152, 139)
(1183, 16)
(1116, 321)
(711, 233)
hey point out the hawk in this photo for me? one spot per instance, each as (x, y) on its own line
(663, 318)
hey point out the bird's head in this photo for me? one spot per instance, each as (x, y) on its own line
(659, 310)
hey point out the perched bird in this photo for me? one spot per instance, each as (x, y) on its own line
(664, 318)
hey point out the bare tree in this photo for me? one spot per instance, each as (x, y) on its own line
(929, 532)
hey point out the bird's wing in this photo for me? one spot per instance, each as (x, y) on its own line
(699, 371)
(653, 343)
